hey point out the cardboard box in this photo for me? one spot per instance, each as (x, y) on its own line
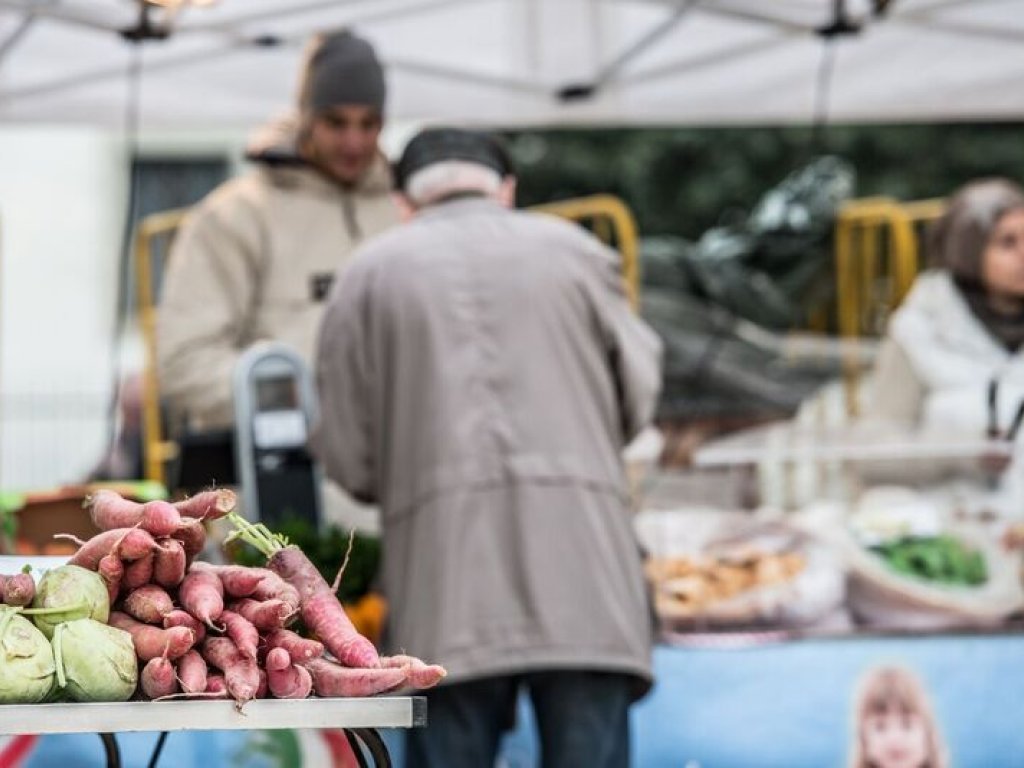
(43, 514)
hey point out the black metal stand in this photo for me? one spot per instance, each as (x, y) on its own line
(374, 745)
(112, 750)
(158, 749)
(358, 738)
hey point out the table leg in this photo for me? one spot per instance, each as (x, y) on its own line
(158, 749)
(375, 744)
(110, 747)
(356, 747)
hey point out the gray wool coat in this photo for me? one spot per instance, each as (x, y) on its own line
(480, 371)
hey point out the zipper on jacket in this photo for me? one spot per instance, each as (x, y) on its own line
(351, 224)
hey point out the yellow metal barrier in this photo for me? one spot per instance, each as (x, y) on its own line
(157, 451)
(877, 257)
(610, 219)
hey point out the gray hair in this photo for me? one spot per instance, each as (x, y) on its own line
(957, 240)
(439, 180)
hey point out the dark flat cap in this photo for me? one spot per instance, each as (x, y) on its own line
(436, 145)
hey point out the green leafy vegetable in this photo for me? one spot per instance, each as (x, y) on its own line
(95, 662)
(67, 593)
(26, 660)
(940, 559)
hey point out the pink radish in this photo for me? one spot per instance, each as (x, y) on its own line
(421, 674)
(215, 684)
(208, 505)
(149, 604)
(265, 616)
(19, 590)
(151, 642)
(180, 618)
(238, 580)
(157, 678)
(273, 587)
(192, 672)
(242, 632)
(285, 680)
(112, 570)
(169, 563)
(109, 510)
(202, 595)
(299, 648)
(330, 679)
(138, 573)
(321, 611)
(241, 675)
(192, 535)
(127, 543)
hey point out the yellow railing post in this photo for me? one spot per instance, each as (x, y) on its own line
(862, 226)
(156, 450)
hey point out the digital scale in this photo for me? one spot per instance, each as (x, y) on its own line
(275, 407)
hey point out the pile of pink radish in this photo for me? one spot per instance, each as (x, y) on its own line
(202, 630)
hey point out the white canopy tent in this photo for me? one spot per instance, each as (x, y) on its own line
(226, 68)
(506, 62)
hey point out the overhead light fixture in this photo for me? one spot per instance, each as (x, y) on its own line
(881, 7)
(160, 29)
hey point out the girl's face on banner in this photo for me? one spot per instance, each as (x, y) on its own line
(895, 739)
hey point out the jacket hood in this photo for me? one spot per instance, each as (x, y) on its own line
(275, 146)
(276, 142)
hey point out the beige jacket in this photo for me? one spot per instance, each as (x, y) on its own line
(253, 261)
(480, 372)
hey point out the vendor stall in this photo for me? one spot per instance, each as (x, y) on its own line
(131, 635)
(875, 558)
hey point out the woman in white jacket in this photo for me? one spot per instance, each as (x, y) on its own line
(954, 356)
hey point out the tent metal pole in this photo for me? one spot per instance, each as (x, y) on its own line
(12, 39)
(76, 16)
(113, 73)
(295, 10)
(467, 76)
(745, 14)
(648, 39)
(697, 63)
(923, 21)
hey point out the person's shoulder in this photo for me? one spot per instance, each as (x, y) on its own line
(382, 250)
(234, 196)
(570, 239)
(932, 304)
(932, 292)
(553, 227)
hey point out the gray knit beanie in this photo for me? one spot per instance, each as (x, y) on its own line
(341, 69)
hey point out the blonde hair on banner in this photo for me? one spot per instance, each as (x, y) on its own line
(894, 689)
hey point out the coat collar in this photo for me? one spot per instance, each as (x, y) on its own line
(455, 207)
(300, 175)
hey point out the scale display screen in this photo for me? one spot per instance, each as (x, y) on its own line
(278, 393)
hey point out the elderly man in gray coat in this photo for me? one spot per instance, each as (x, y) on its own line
(480, 372)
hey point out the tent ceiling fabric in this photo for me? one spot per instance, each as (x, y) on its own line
(504, 62)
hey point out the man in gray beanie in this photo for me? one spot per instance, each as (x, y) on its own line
(341, 105)
(255, 259)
